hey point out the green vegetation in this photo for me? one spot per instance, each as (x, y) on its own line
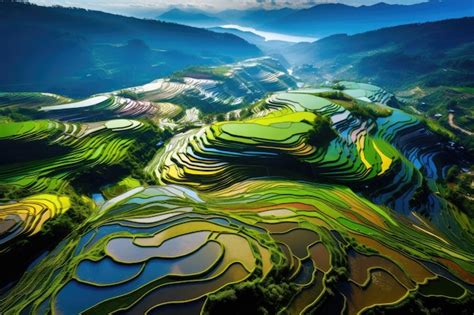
(356, 107)
(52, 233)
(435, 104)
(253, 297)
(421, 195)
(366, 110)
(207, 73)
(179, 177)
(237, 256)
(128, 94)
(413, 61)
(463, 89)
(437, 128)
(459, 189)
(294, 204)
(17, 114)
(322, 132)
(215, 90)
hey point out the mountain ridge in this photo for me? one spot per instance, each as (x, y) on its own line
(408, 52)
(65, 34)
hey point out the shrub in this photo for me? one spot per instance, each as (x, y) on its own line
(128, 94)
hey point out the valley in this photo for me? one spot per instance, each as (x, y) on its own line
(268, 36)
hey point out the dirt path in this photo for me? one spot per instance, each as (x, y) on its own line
(453, 125)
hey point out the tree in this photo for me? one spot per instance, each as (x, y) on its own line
(220, 117)
(452, 174)
(244, 113)
(338, 86)
(322, 132)
(232, 116)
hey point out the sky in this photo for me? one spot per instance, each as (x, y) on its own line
(122, 6)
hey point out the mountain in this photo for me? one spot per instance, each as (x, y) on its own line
(249, 17)
(194, 18)
(328, 19)
(248, 36)
(433, 53)
(254, 17)
(108, 51)
(271, 48)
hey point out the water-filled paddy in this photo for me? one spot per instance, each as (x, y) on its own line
(442, 287)
(193, 307)
(321, 257)
(278, 227)
(306, 272)
(106, 271)
(298, 240)
(308, 294)
(382, 289)
(360, 264)
(126, 250)
(75, 297)
(187, 291)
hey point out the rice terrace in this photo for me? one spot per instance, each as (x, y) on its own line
(155, 162)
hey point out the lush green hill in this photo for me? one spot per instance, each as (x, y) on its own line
(331, 200)
(79, 52)
(430, 66)
(434, 53)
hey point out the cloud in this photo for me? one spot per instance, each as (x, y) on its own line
(204, 4)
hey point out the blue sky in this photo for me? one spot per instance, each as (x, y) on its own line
(124, 5)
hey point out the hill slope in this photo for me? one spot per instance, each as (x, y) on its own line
(195, 18)
(270, 208)
(327, 19)
(436, 53)
(109, 51)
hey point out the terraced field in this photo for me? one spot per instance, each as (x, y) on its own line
(324, 200)
(95, 108)
(98, 107)
(26, 217)
(218, 88)
(64, 150)
(31, 99)
(385, 158)
(209, 89)
(172, 249)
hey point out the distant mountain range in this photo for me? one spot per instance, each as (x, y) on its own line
(328, 19)
(433, 53)
(80, 52)
(190, 18)
(249, 17)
